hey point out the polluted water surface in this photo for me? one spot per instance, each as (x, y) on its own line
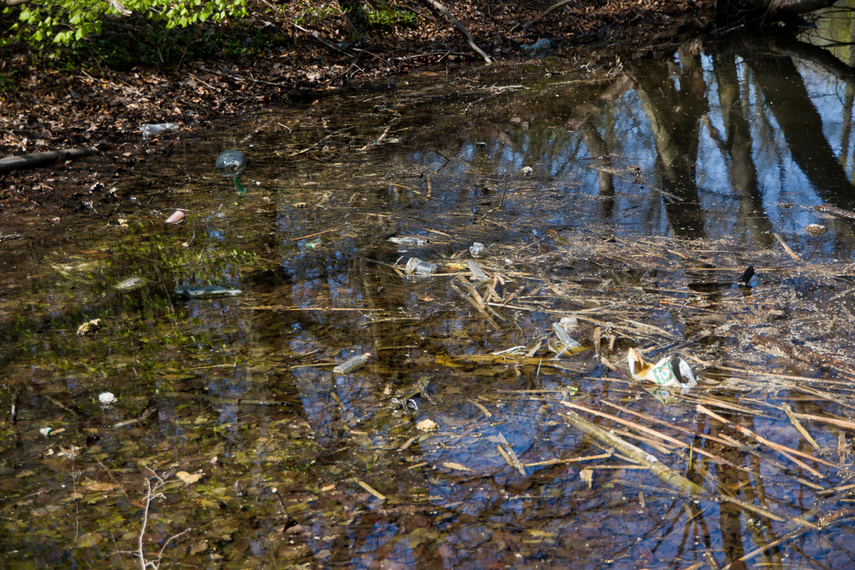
(275, 382)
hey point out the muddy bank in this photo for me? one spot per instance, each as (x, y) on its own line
(97, 95)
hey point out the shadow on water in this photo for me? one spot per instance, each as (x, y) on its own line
(629, 196)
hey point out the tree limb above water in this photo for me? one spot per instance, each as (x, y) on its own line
(46, 158)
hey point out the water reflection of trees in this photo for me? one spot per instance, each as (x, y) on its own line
(711, 123)
(728, 139)
(684, 109)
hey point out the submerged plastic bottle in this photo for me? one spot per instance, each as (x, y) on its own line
(353, 364)
(419, 267)
(231, 162)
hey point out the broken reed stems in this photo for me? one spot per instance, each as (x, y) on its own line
(799, 427)
(757, 552)
(637, 455)
(677, 442)
(787, 452)
(650, 418)
(767, 374)
(833, 421)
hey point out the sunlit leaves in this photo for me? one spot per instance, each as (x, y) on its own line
(67, 21)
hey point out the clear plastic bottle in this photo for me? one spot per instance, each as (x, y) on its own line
(231, 162)
(153, 129)
(419, 267)
(354, 363)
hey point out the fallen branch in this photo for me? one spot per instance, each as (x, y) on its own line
(543, 14)
(439, 6)
(38, 159)
(327, 44)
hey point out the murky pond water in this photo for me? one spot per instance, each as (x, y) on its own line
(629, 196)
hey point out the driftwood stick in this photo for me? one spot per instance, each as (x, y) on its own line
(38, 159)
(439, 6)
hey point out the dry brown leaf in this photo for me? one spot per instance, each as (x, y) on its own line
(100, 487)
(187, 478)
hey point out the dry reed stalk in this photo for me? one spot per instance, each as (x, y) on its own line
(638, 455)
(650, 418)
(799, 427)
(676, 442)
(570, 460)
(511, 458)
(787, 452)
(725, 405)
(833, 421)
(803, 379)
(789, 251)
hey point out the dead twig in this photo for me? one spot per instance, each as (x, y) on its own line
(439, 6)
(789, 251)
(475, 300)
(152, 493)
(371, 490)
(327, 44)
(511, 458)
(542, 15)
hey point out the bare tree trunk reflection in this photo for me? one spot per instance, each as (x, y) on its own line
(675, 101)
(597, 147)
(786, 96)
(737, 144)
